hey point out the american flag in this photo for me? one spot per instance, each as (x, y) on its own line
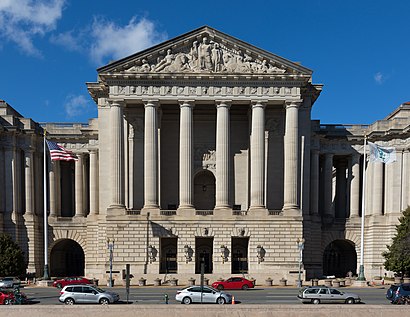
(58, 153)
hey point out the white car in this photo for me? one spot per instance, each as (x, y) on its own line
(193, 294)
(9, 282)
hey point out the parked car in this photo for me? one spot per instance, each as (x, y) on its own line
(233, 283)
(6, 297)
(395, 292)
(86, 294)
(71, 281)
(323, 294)
(209, 295)
(9, 282)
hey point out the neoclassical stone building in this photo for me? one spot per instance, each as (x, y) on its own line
(203, 151)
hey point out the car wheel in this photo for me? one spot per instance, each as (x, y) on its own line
(316, 301)
(187, 300)
(220, 301)
(69, 301)
(104, 301)
(350, 301)
(220, 287)
(245, 287)
(8, 301)
(59, 286)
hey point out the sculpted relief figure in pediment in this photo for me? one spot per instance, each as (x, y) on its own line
(206, 56)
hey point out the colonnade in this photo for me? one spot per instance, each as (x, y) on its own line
(223, 184)
(85, 186)
(386, 185)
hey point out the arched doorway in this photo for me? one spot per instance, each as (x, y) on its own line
(204, 190)
(339, 258)
(67, 259)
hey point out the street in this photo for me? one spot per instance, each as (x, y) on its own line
(259, 295)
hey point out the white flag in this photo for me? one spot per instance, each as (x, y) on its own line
(382, 154)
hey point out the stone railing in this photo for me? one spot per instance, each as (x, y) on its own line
(204, 212)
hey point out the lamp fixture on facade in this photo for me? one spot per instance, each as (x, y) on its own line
(188, 253)
(260, 253)
(151, 253)
(110, 247)
(223, 253)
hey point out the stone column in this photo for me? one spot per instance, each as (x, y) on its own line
(405, 180)
(57, 166)
(257, 155)
(117, 159)
(314, 183)
(291, 156)
(222, 154)
(131, 163)
(377, 192)
(79, 206)
(355, 185)
(9, 179)
(29, 185)
(52, 189)
(151, 155)
(186, 154)
(328, 182)
(93, 182)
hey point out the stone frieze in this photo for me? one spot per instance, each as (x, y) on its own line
(205, 56)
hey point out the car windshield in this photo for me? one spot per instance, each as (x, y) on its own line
(99, 290)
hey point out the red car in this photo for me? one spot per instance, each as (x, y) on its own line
(6, 298)
(71, 280)
(233, 283)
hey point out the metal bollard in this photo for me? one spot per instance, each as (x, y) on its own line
(166, 298)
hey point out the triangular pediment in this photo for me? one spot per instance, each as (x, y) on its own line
(205, 51)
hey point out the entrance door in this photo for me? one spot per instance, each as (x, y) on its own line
(168, 256)
(67, 259)
(339, 258)
(240, 255)
(203, 254)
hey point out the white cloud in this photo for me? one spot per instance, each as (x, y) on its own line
(22, 20)
(68, 40)
(379, 78)
(111, 41)
(76, 105)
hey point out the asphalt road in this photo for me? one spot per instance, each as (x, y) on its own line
(259, 295)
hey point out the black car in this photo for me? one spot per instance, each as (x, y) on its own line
(395, 292)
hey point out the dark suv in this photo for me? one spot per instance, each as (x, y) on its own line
(397, 291)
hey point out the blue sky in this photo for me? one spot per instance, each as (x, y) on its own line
(359, 50)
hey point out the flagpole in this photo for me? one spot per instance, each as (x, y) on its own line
(46, 275)
(361, 276)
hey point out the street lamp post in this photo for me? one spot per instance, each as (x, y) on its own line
(301, 246)
(110, 247)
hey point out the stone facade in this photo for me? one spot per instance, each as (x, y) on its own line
(204, 151)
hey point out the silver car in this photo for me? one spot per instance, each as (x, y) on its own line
(323, 294)
(86, 294)
(208, 294)
(9, 282)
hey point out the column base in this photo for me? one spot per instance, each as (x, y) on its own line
(116, 210)
(187, 206)
(258, 211)
(224, 207)
(292, 211)
(150, 210)
(186, 211)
